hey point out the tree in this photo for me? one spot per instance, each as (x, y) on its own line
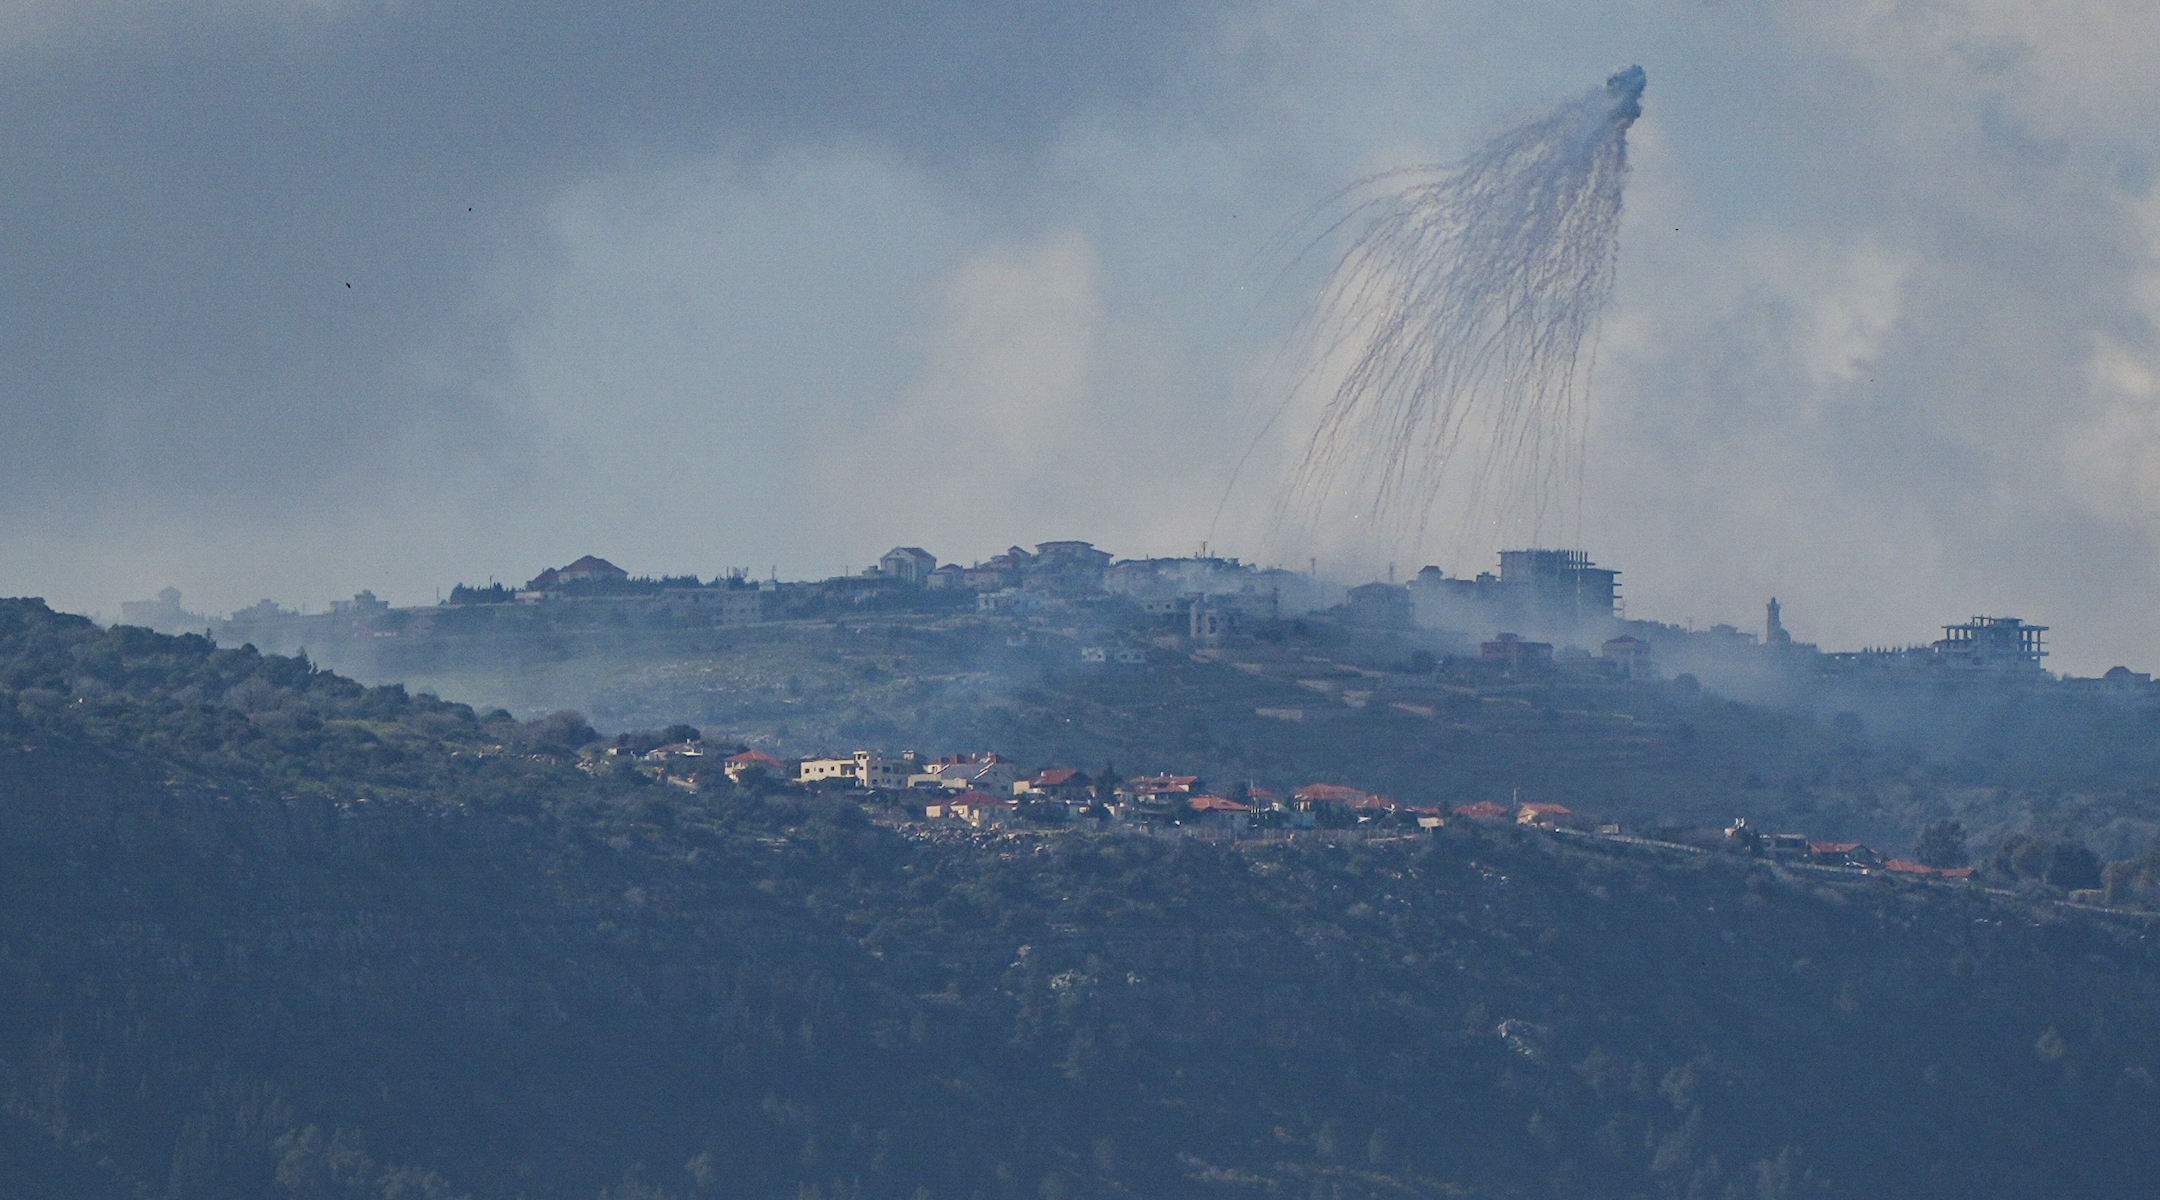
(2118, 880)
(1941, 844)
(2021, 856)
(2070, 865)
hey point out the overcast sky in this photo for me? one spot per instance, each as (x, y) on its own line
(307, 296)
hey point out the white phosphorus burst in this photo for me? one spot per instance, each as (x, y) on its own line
(1452, 334)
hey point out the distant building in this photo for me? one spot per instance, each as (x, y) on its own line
(1984, 649)
(1380, 606)
(744, 606)
(1518, 655)
(1563, 583)
(1158, 791)
(1550, 816)
(874, 770)
(1540, 590)
(1083, 555)
(1212, 623)
(908, 564)
(163, 614)
(1162, 785)
(988, 772)
(1220, 810)
(1171, 586)
(673, 751)
(1843, 854)
(976, 808)
(260, 612)
(1315, 795)
(1012, 601)
(362, 604)
(867, 768)
(1068, 784)
(734, 766)
(1001, 571)
(1630, 655)
(824, 766)
(1068, 568)
(585, 570)
(2004, 644)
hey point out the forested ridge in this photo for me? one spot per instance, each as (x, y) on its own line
(265, 932)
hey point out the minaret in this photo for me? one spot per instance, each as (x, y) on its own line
(1774, 633)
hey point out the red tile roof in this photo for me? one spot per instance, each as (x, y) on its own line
(1218, 804)
(752, 758)
(1483, 808)
(1542, 809)
(1908, 866)
(1053, 776)
(1330, 793)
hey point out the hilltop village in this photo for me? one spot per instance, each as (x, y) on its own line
(1237, 690)
(1543, 612)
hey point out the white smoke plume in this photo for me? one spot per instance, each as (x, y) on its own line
(1455, 331)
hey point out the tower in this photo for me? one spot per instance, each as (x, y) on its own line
(1774, 631)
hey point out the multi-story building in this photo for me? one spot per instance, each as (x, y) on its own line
(908, 564)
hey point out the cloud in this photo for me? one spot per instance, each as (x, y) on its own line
(1873, 388)
(691, 287)
(1001, 408)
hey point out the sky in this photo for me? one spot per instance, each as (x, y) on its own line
(308, 296)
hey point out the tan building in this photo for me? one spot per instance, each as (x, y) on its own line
(867, 768)
(874, 770)
(824, 766)
(976, 808)
(1550, 816)
(989, 772)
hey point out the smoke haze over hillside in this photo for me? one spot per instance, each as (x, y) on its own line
(309, 297)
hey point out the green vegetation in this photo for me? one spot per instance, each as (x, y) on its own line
(265, 932)
(1875, 766)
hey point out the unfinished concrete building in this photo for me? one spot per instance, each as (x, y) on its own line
(1554, 592)
(1992, 644)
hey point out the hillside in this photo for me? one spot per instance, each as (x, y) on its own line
(266, 932)
(1374, 710)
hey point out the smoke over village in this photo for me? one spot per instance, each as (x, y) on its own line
(968, 602)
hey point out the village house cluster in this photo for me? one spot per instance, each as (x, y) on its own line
(990, 790)
(1799, 848)
(1544, 613)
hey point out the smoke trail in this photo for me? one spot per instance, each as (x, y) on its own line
(1455, 326)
